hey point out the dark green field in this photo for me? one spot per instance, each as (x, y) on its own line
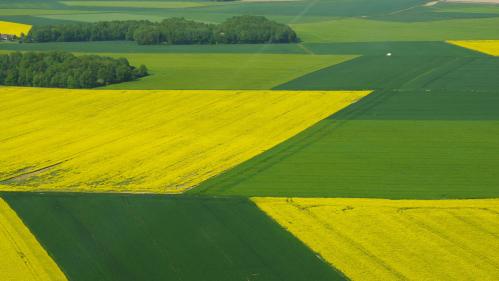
(123, 47)
(428, 131)
(444, 72)
(373, 158)
(126, 237)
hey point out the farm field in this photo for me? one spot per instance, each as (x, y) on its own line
(224, 71)
(468, 8)
(315, 20)
(21, 255)
(128, 47)
(220, 70)
(298, 11)
(32, 12)
(372, 239)
(99, 16)
(13, 28)
(399, 48)
(490, 47)
(429, 129)
(140, 237)
(362, 30)
(145, 141)
(366, 151)
(373, 158)
(138, 4)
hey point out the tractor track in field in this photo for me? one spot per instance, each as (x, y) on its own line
(28, 175)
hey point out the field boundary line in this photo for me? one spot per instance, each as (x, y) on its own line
(307, 50)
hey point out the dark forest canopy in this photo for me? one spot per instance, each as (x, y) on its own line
(65, 70)
(236, 30)
(253, 29)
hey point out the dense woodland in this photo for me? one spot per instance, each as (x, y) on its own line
(236, 30)
(65, 70)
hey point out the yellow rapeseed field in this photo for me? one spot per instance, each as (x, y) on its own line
(22, 258)
(490, 47)
(13, 28)
(145, 141)
(377, 239)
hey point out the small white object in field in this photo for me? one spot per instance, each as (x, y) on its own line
(389, 54)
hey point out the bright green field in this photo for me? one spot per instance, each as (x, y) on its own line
(125, 237)
(460, 8)
(138, 4)
(223, 71)
(31, 12)
(365, 30)
(108, 16)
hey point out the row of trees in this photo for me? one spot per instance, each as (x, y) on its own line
(236, 30)
(65, 70)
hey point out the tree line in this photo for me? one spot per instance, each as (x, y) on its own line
(235, 30)
(65, 70)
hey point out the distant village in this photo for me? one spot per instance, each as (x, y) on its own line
(7, 37)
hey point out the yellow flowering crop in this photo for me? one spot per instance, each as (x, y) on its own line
(490, 47)
(21, 256)
(13, 28)
(377, 239)
(145, 141)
